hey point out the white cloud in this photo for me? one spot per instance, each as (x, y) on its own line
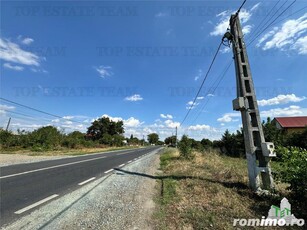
(225, 50)
(245, 15)
(200, 98)
(191, 106)
(292, 110)
(301, 45)
(199, 127)
(281, 99)
(255, 7)
(27, 41)
(166, 116)
(5, 108)
(267, 35)
(210, 95)
(68, 117)
(135, 97)
(198, 75)
(228, 117)
(221, 27)
(13, 67)
(132, 122)
(115, 119)
(104, 71)
(246, 29)
(11, 52)
(287, 37)
(171, 124)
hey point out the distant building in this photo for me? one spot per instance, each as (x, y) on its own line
(290, 124)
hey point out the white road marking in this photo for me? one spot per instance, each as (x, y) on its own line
(36, 204)
(86, 181)
(52, 167)
(121, 165)
(121, 153)
(108, 171)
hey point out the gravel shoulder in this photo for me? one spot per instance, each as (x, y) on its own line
(121, 200)
(12, 159)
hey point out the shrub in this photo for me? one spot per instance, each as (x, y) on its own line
(185, 147)
(294, 170)
(47, 137)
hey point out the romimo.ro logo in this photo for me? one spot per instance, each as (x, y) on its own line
(278, 216)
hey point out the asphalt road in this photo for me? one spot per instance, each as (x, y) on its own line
(25, 187)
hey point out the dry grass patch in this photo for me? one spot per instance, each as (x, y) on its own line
(207, 192)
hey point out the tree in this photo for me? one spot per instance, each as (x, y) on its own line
(170, 140)
(74, 140)
(103, 126)
(153, 138)
(271, 133)
(46, 137)
(233, 143)
(133, 140)
(206, 143)
(185, 147)
(298, 139)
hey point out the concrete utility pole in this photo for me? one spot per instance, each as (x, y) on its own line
(258, 152)
(176, 138)
(8, 125)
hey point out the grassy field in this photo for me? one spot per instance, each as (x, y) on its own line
(208, 192)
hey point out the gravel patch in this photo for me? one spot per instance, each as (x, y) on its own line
(121, 200)
(12, 159)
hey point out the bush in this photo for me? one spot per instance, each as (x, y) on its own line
(6, 138)
(45, 138)
(294, 170)
(185, 147)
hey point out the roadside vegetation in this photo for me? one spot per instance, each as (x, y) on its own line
(103, 134)
(204, 184)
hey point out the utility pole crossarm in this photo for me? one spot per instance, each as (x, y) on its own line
(257, 150)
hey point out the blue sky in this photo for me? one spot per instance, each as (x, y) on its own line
(143, 61)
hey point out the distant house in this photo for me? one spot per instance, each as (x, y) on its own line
(290, 124)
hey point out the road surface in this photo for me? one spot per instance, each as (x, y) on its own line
(25, 187)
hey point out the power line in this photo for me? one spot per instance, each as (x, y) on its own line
(13, 112)
(271, 23)
(238, 11)
(38, 110)
(212, 62)
(289, 15)
(256, 29)
(219, 80)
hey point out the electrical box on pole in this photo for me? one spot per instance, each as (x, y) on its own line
(258, 152)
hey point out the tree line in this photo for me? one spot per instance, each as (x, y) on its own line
(101, 133)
